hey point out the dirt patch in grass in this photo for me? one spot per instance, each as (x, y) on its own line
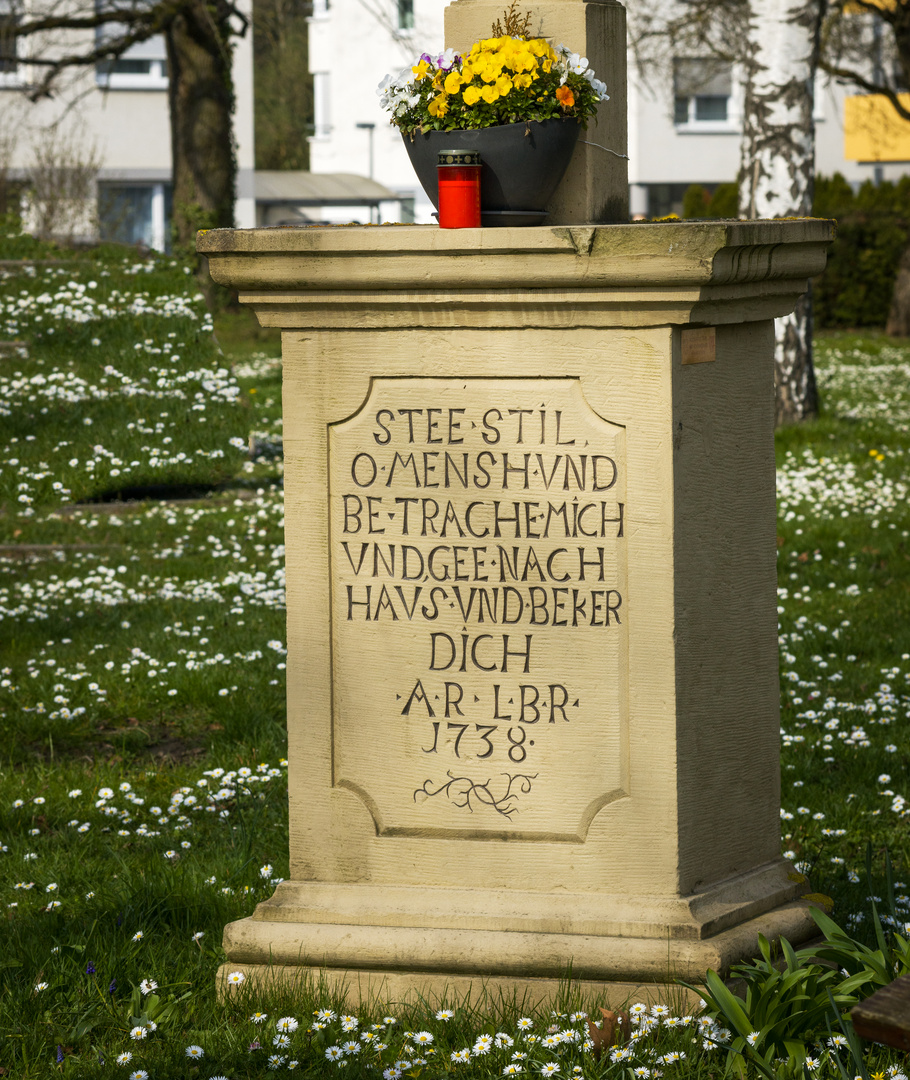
(131, 741)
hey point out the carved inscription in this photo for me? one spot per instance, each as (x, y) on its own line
(479, 606)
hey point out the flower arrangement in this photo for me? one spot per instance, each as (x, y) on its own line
(506, 79)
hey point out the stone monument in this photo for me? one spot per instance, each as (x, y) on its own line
(533, 699)
(532, 634)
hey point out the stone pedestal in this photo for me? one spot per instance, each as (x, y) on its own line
(596, 185)
(532, 628)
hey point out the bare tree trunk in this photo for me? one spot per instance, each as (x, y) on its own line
(201, 98)
(777, 165)
(795, 391)
(284, 85)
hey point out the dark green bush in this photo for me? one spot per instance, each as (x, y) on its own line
(695, 201)
(724, 203)
(873, 229)
(699, 202)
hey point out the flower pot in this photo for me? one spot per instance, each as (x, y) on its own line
(522, 165)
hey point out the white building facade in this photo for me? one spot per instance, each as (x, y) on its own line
(353, 44)
(112, 120)
(685, 129)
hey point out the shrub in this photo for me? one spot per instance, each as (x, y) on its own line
(699, 202)
(873, 229)
(695, 201)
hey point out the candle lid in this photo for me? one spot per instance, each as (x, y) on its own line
(458, 157)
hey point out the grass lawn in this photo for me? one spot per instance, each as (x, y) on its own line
(143, 793)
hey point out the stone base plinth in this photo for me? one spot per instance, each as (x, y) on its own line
(614, 970)
(438, 989)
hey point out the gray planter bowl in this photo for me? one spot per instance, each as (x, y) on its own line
(521, 165)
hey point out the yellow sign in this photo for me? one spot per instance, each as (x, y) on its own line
(864, 9)
(873, 131)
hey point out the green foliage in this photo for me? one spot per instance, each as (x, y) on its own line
(724, 202)
(500, 80)
(867, 968)
(848, 1043)
(873, 230)
(870, 968)
(119, 333)
(833, 196)
(695, 202)
(698, 202)
(16, 244)
(792, 1001)
(150, 1007)
(784, 1008)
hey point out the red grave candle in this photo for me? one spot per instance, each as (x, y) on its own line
(459, 189)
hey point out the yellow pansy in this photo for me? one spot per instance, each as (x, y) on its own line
(471, 95)
(515, 48)
(421, 69)
(522, 82)
(452, 83)
(439, 106)
(524, 61)
(503, 84)
(489, 94)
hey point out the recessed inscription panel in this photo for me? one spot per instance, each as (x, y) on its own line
(479, 607)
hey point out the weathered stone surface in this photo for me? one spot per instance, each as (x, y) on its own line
(478, 561)
(548, 733)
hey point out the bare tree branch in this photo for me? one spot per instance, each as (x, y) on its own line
(852, 76)
(141, 22)
(867, 45)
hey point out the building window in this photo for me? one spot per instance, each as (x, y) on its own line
(130, 66)
(405, 14)
(702, 90)
(142, 66)
(322, 114)
(135, 214)
(320, 8)
(9, 41)
(135, 72)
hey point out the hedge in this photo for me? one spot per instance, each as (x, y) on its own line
(873, 229)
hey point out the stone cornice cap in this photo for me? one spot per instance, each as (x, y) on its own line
(673, 272)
